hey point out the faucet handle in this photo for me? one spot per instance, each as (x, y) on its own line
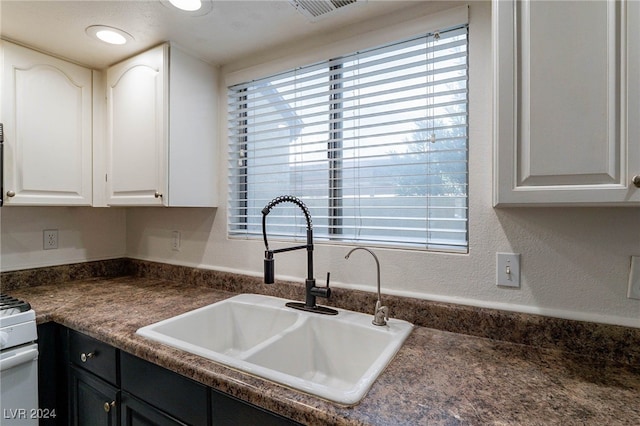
(385, 312)
(269, 267)
(381, 314)
(322, 291)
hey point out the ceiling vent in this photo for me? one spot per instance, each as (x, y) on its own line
(314, 10)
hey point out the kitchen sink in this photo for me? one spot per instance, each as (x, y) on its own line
(334, 357)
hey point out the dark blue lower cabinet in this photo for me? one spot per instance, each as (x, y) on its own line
(138, 413)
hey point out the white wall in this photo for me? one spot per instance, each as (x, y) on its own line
(575, 261)
(84, 234)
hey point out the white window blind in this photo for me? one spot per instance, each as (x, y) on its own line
(374, 143)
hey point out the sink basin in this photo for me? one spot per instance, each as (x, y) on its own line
(334, 357)
(230, 327)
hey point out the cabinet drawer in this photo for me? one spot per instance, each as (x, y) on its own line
(93, 355)
(178, 396)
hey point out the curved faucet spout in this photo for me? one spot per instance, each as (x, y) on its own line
(381, 313)
(291, 199)
(377, 263)
(282, 199)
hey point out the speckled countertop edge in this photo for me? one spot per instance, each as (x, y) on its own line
(437, 377)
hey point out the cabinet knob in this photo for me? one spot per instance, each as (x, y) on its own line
(84, 357)
(108, 406)
(11, 194)
(158, 194)
(636, 181)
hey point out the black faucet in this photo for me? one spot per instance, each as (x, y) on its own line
(269, 262)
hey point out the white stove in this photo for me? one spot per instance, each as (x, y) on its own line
(18, 363)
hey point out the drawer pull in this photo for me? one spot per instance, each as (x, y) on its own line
(636, 181)
(84, 357)
(108, 405)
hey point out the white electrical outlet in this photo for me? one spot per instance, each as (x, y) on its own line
(634, 278)
(508, 270)
(175, 240)
(49, 239)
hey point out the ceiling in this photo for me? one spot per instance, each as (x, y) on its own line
(230, 31)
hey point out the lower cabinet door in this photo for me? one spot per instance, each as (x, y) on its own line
(92, 401)
(179, 397)
(138, 413)
(230, 411)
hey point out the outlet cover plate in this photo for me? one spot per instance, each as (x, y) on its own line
(175, 240)
(634, 278)
(49, 239)
(508, 270)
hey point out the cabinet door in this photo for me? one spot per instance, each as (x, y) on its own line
(92, 401)
(230, 411)
(46, 111)
(137, 413)
(137, 129)
(178, 396)
(566, 103)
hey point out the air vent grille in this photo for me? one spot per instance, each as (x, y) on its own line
(316, 9)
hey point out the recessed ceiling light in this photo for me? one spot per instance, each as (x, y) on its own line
(191, 8)
(109, 35)
(188, 5)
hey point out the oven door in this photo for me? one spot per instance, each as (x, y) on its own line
(19, 390)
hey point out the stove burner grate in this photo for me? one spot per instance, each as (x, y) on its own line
(8, 302)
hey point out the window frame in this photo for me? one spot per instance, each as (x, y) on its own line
(335, 206)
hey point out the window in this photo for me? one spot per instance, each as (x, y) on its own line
(374, 143)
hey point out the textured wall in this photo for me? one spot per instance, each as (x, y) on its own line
(84, 233)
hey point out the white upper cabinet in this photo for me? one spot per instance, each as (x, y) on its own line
(566, 103)
(161, 133)
(46, 112)
(137, 129)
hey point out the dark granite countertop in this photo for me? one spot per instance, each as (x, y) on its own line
(437, 377)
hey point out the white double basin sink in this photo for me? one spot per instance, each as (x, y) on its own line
(334, 357)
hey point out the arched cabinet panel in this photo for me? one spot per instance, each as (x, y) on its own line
(46, 112)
